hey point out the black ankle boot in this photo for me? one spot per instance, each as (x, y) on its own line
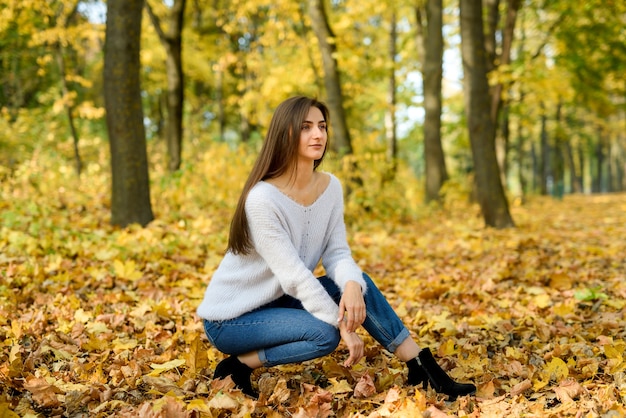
(239, 372)
(417, 374)
(438, 378)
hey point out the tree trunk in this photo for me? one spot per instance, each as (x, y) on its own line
(490, 193)
(64, 22)
(599, 154)
(172, 42)
(503, 144)
(524, 167)
(219, 93)
(536, 174)
(505, 56)
(497, 103)
(341, 142)
(576, 176)
(581, 163)
(546, 154)
(432, 72)
(492, 14)
(69, 108)
(558, 163)
(390, 114)
(575, 179)
(130, 201)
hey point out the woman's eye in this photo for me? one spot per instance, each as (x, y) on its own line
(323, 127)
(306, 127)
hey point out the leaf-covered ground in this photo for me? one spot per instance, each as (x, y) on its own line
(97, 321)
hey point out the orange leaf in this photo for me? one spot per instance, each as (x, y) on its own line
(365, 387)
(44, 393)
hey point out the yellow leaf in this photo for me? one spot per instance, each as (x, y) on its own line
(97, 328)
(543, 301)
(564, 309)
(15, 354)
(440, 323)
(106, 254)
(81, 316)
(615, 303)
(16, 329)
(540, 381)
(64, 326)
(557, 369)
(141, 309)
(560, 281)
(447, 348)
(126, 270)
(341, 386)
(513, 352)
(198, 405)
(5, 412)
(95, 344)
(160, 368)
(124, 343)
(611, 351)
(163, 309)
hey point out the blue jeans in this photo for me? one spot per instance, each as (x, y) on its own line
(283, 332)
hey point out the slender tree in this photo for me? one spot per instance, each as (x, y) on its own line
(64, 22)
(490, 193)
(341, 142)
(390, 113)
(130, 201)
(499, 106)
(432, 73)
(171, 39)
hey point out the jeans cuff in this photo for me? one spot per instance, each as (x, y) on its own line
(393, 345)
(262, 357)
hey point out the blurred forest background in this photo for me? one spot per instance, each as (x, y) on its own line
(211, 72)
(128, 128)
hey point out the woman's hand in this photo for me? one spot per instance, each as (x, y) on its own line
(355, 344)
(352, 306)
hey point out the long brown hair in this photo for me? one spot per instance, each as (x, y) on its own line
(278, 154)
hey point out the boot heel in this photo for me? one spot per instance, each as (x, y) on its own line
(239, 372)
(439, 379)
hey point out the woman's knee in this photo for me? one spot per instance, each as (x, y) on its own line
(327, 339)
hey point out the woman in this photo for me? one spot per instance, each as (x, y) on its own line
(263, 305)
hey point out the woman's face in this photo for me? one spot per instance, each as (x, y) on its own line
(313, 136)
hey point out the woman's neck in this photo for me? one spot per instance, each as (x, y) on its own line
(300, 178)
(302, 186)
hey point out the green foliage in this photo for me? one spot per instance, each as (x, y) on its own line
(590, 294)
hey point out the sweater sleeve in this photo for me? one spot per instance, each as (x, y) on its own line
(337, 257)
(272, 242)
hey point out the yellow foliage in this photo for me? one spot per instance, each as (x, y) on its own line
(116, 305)
(126, 270)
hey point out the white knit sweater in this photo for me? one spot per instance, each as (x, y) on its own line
(289, 240)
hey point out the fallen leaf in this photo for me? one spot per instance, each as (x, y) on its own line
(163, 367)
(568, 390)
(44, 393)
(521, 387)
(365, 387)
(281, 393)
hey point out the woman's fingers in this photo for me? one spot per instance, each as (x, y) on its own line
(355, 317)
(355, 348)
(352, 309)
